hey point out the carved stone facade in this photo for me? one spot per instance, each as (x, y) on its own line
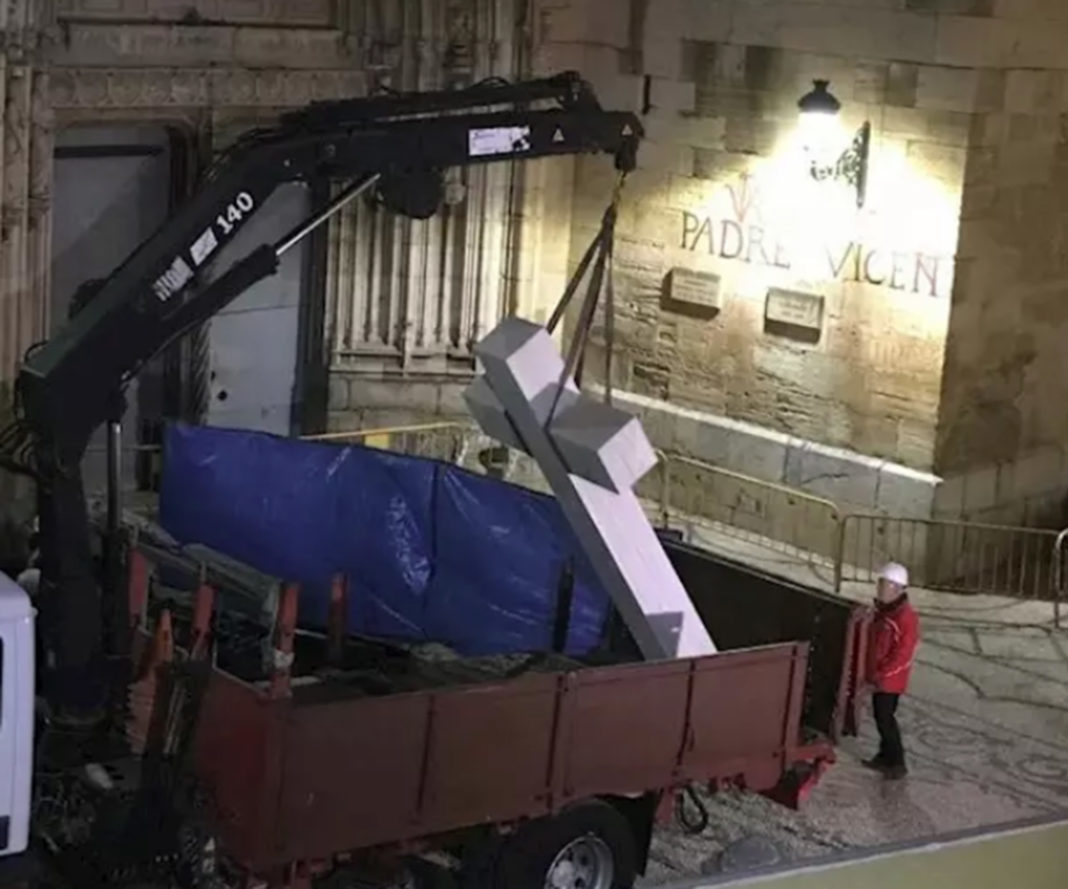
(404, 300)
(279, 13)
(860, 361)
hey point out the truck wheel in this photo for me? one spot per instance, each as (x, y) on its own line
(588, 846)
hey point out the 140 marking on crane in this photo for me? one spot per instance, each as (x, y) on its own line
(235, 212)
(179, 273)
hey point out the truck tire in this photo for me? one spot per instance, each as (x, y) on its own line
(587, 846)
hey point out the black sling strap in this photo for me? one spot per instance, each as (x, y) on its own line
(600, 255)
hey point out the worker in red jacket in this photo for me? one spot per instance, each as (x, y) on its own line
(895, 633)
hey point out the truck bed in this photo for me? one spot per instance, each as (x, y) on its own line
(304, 779)
(337, 766)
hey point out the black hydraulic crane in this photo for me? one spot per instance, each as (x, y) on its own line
(397, 146)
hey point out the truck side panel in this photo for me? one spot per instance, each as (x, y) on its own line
(622, 729)
(304, 781)
(352, 768)
(369, 771)
(745, 718)
(745, 607)
(489, 750)
(238, 755)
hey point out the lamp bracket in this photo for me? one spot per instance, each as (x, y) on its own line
(851, 166)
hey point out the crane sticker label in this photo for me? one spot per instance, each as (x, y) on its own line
(490, 141)
(174, 279)
(204, 246)
(179, 273)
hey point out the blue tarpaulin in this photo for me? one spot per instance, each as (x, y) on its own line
(431, 551)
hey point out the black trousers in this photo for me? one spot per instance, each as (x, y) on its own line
(891, 750)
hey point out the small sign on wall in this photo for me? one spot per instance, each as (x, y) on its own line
(690, 292)
(794, 314)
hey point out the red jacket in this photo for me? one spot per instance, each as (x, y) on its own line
(895, 633)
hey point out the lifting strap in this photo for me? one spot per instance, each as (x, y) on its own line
(600, 255)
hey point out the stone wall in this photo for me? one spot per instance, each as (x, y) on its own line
(1003, 425)
(723, 197)
(922, 330)
(756, 309)
(746, 291)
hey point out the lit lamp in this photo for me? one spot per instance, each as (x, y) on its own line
(821, 133)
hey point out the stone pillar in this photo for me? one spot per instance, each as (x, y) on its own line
(14, 216)
(406, 300)
(1003, 437)
(25, 170)
(42, 139)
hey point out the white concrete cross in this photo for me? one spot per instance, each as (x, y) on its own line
(592, 455)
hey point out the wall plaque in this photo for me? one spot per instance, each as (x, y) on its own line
(685, 288)
(794, 313)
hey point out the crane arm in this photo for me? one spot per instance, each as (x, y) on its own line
(399, 145)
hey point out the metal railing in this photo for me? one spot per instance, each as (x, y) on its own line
(462, 444)
(1058, 576)
(687, 493)
(681, 490)
(772, 515)
(955, 556)
(442, 441)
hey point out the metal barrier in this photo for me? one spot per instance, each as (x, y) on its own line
(462, 444)
(953, 556)
(680, 488)
(773, 515)
(442, 441)
(962, 557)
(1058, 576)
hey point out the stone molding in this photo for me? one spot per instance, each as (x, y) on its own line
(227, 46)
(167, 88)
(314, 13)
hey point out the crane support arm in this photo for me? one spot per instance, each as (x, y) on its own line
(398, 144)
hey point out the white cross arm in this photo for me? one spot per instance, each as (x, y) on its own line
(595, 441)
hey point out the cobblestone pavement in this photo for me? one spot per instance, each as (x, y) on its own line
(985, 724)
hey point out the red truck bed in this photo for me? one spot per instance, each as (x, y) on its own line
(300, 782)
(327, 768)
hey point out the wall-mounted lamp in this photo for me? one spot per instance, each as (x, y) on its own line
(820, 130)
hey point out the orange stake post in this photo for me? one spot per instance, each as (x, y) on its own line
(285, 630)
(337, 620)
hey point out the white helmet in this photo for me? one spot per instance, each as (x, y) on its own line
(895, 573)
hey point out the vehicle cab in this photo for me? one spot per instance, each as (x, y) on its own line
(16, 715)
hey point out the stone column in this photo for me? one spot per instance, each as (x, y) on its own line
(25, 173)
(14, 216)
(42, 139)
(408, 295)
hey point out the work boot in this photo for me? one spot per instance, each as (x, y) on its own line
(876, 764)
(895, 773)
